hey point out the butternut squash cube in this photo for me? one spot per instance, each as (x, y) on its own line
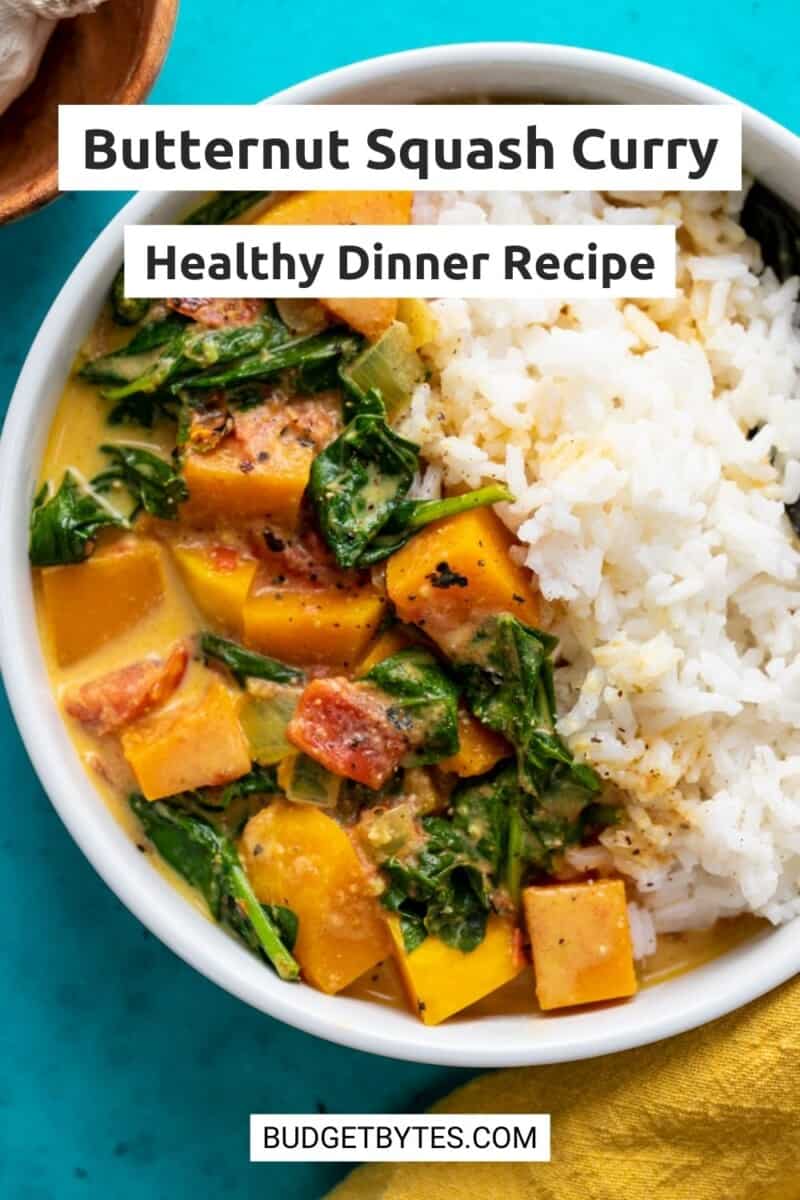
(479, 747)
(581, 942)
(441, 981)
(300, 857)
(89, 603)
(314, 626)
(196, 744)
(370, 317)
(384, 646)
(458, 571)
(218, 585)
(340, 208)
(261, 469)
(225, 483)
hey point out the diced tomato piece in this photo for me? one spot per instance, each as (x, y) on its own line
(108, 703)
(215, 313)
(266, 429)
(347, 727)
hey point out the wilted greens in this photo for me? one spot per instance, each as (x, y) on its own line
(508, 824)
(244, 664)
(154, 485)
(424, 703)
(272, 359)
(208, 860)
(65, 524)
(444, 890)
(507, 675)
(358, 480)
(409, 516)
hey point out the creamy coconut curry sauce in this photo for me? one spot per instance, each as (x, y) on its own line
(321, 702)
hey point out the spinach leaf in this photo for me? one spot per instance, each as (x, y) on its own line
(775, 225)
(481, 810)
(444, 890)
(187, 352)
(243, 663)
(357, 481)
(155, 486)
(424, 703)
(229, 808)
(411, 515)
(209, 861)
(507, 674)
(306, 352)
(64, 525)
(141, 352)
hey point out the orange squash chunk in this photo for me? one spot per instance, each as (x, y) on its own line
(458, 571)
(89, 603)
(196, 744)
(218, 582)
(317, 625)
(300, 857)
(441, 980)
(479, 747)
(262, 468)
(581, 942)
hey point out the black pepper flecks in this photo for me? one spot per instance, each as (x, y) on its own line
(444, 577)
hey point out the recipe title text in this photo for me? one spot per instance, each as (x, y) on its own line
(420, 147)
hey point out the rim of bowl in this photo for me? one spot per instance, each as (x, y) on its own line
(679, 1004)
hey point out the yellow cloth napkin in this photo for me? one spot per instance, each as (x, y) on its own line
(711, 1115)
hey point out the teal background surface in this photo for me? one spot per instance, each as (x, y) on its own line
(123, 1073)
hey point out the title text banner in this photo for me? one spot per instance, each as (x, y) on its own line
(485, 147)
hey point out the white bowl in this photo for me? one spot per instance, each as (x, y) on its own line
(502, 69)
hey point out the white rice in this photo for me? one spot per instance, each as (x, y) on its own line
(657, 530)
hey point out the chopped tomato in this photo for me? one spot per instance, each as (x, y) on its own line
(108, 703)
(265, 429)
(348, 728)
(215, 313)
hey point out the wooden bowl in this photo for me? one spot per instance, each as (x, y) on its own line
(110, 56)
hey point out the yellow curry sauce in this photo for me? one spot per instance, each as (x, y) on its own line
(361, 808)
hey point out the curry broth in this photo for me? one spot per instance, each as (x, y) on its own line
(676, 954)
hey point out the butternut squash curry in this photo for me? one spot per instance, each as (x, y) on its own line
(327, 704)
